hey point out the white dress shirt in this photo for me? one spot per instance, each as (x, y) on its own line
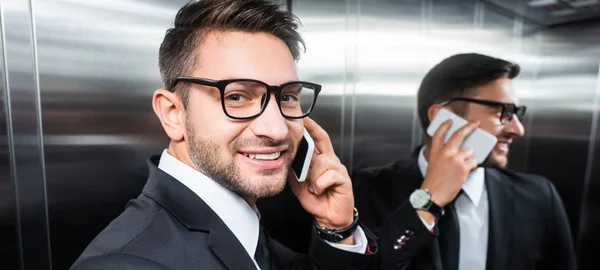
(472, 209)
(241, 218)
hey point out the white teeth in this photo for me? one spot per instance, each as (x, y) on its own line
(272, 156)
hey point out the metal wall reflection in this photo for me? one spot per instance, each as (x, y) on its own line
(9, 245)
(25, 136)
(384, 48)
(570, 115)
(96, 64)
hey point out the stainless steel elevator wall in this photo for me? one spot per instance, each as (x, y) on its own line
(96, 65)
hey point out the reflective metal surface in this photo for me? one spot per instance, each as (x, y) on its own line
(389, 45)
(98, 63)
(25, 135)
(97, 67)
(570, 111)
(551, 13)
(9, 246)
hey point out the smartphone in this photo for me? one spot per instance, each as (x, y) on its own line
(303, 157)
(480, 141)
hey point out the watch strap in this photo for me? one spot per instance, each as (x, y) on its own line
(335, 236)
(434, 209)
(431, 207)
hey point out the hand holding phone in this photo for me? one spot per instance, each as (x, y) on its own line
(326, 192)
(450, 158)
(480, 141)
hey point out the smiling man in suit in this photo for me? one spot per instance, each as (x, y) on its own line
(235, 112)
(449, 213)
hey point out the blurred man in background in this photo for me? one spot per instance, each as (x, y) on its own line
(450, 213)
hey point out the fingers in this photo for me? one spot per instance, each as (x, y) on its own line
(323, 167)
(330, 178)
(465, 153)
(459, 136)
(320, 164)
(319, 136)
(437, 142)
(471, 163)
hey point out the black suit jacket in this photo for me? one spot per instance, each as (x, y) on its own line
(528, 227)
(170, 227)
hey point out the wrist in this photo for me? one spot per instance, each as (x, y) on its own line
(438, 199)
(337, 224)
(436, 196)
(421, 199)
(337, 233)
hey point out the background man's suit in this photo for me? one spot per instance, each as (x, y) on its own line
(528, 228)
(172, 227)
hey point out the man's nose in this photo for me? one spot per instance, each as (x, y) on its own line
(515, 127)
(271, 122)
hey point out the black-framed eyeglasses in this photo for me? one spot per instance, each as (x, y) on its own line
(244, 99)
(508, 109)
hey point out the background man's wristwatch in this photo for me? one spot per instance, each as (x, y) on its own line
(421, 199)
(335, 236)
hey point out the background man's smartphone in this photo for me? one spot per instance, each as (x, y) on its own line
(303, 157)
(480, 141)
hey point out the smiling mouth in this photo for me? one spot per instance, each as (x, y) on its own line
(263, 156)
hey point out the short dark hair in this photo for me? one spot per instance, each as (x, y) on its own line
(177, 53)
(457, 74)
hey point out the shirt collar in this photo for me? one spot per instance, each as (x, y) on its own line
(241, 218)
(473, 186)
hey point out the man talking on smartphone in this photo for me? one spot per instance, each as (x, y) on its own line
(448, 212)
(235, 111)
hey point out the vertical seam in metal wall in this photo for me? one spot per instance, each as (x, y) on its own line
(343, 97)
(289, 6)
(417, 134)
(38, 109)
(476, 17)
(534, 81)
(9, 133)
(590, 154)
(355, 79)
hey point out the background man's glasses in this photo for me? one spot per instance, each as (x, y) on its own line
(509, 110)
(247, 98)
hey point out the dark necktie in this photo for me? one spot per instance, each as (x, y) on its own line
(449, 236)
(261, 255)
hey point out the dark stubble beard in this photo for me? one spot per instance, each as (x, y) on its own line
(208, 158)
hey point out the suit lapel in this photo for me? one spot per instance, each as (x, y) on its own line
(501, 209)
(227, 247)
(196, 215)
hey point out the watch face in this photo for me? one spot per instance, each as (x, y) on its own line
(419, 198)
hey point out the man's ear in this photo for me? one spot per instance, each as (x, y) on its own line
(169, 109)
(432, 111)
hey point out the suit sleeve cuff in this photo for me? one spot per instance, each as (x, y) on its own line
(360, 242)
(429, 226)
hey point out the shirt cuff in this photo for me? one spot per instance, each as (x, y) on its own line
(360, 242)
(429, 227)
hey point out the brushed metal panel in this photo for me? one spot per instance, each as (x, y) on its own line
(580, 88)
(325, 30)
(28, 160)
(554, 13)
(388, 69)
(10, 245)
(98, 63)
(589, 235)
(562, 119)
